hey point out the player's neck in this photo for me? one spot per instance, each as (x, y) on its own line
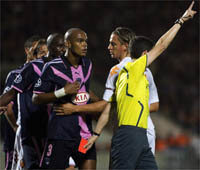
(124, 56)
(74, 60)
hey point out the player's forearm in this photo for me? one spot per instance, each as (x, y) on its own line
(163, 43)
(93, 97)
(11, 117)
(154, 107)
(43, 98)
(103, 120)
(90, 108)
(7, 97)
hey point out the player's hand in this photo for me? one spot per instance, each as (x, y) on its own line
(64, 109)
(91, 141)
(189, 13)
(2, 109)
(72, 88)
(31, 51)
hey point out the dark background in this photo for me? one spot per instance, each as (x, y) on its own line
(176, 72)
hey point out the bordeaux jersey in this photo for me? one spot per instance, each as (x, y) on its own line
(33, 117)
(28, 76)
(8, 85)
(55, 75)
(9, 132)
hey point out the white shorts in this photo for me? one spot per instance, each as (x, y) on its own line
(71, 161)
(18, 152)
(151, 139)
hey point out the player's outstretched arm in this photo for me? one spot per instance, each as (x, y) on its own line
(93, 97)
(167, 38)
(102, 121)
(68, 108)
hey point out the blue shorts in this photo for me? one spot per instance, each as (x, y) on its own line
(57, 152)
(32, 152)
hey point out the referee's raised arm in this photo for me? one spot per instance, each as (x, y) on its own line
(167, 38)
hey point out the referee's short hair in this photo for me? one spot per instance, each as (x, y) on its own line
(125, 34)
(140, 44)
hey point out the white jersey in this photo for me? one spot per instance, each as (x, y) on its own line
(112, 78)
(153, 95)
(153, 98)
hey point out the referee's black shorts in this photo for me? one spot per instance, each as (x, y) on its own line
(130, 149)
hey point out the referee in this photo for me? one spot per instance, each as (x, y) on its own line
(130, 148)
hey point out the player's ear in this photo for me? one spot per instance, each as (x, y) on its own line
(67, 44)
(125, 46)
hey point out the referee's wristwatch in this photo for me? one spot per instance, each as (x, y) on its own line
(96, 134)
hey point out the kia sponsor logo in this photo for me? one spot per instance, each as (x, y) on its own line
(81, 98)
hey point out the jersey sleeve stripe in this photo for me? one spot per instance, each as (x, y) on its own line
(37, 92)
(17, 89)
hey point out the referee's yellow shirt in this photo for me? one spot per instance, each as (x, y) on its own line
(132, 94)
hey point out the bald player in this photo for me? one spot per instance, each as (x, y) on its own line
(66, 79)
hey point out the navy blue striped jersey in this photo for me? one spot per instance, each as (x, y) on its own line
(28, 76)
(9, 137)
(33, 117)
(55, 75)
(8, 85)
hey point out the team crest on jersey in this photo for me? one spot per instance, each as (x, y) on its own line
(81, 98)
(39, 82)
(18, 79)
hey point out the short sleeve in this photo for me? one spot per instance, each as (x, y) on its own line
(110, 83)
(24, 78)
(44, 83)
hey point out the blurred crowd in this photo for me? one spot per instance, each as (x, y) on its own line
(176, 73)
